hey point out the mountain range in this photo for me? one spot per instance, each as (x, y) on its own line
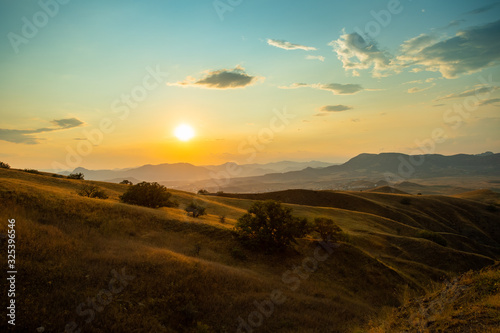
(365, 171)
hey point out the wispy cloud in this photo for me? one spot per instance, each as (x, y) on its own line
(283, 44)
(356, 53)
(490, 101)
(484, 9)
(467, 52)
(27, 136)
(312, 57)
(470, 92)
(220, 79)
(335, 108)
(335, 88)
(417, 89)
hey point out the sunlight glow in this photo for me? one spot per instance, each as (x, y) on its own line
(184, 132)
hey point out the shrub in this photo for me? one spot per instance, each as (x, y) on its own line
(405, 201)
(76, 175)
(203, 192)
(222, 219)
(491, 208)
(328, 230)
(219, 193)
(57, 175)
(146, 194)
(195, 210)
(92, 191)
(432, 236)
(126, 182)
(32, 171)
(4, 165)
(269, 225)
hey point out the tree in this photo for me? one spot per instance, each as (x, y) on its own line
(147, 194)
(126, 182)
(270, 225)
(195, 209)
(4, 165)
(327, 229)
(76, 176)
(92, 191)
(203, 192)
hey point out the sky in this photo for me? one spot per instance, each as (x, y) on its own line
(105, 84)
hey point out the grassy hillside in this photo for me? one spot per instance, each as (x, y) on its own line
(189, 275)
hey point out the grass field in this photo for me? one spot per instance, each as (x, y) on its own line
(184, 274)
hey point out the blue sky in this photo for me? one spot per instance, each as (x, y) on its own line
(350, 82)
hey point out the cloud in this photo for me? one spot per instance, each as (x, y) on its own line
(484, 8)
(311, 57)
(490, 101)
(467, 52)
(27, 137)
(417, 44)
(335, 88)
(470, 92)
(335, 108)
(356, 53)
(220, 79)
(416, 89)
(283, 44)
(454, 23)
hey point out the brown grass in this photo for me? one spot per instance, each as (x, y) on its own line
(186, 279)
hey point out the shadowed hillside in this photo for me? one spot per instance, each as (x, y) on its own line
(189, 275)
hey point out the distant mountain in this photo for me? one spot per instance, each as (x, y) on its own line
(185, 172)
(365, 171)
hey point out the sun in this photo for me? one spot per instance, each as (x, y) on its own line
(184, 132)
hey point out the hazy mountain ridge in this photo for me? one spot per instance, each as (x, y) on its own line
(190, 172)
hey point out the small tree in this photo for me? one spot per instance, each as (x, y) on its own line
(195, 210)
(270, 225)
(327, 229)
(76, 176)
(4, 165)
(126, 182)
(92, 191)
(147, 194)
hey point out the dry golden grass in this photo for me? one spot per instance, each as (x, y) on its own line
(186, 278)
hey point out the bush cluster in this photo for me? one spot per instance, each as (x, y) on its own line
(146, 194)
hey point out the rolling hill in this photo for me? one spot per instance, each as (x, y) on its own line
(185, 274)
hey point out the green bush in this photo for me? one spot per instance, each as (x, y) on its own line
(32, 171)
(405, 201)
(432, 236)
(92, 191)
(328, 230)
(147, 194)
(270, 226)
(4, 165)
(195, 210)
(76, 176)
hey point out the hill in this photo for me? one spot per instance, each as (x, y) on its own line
(182, 274)
(440, 174)
(468, 303)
